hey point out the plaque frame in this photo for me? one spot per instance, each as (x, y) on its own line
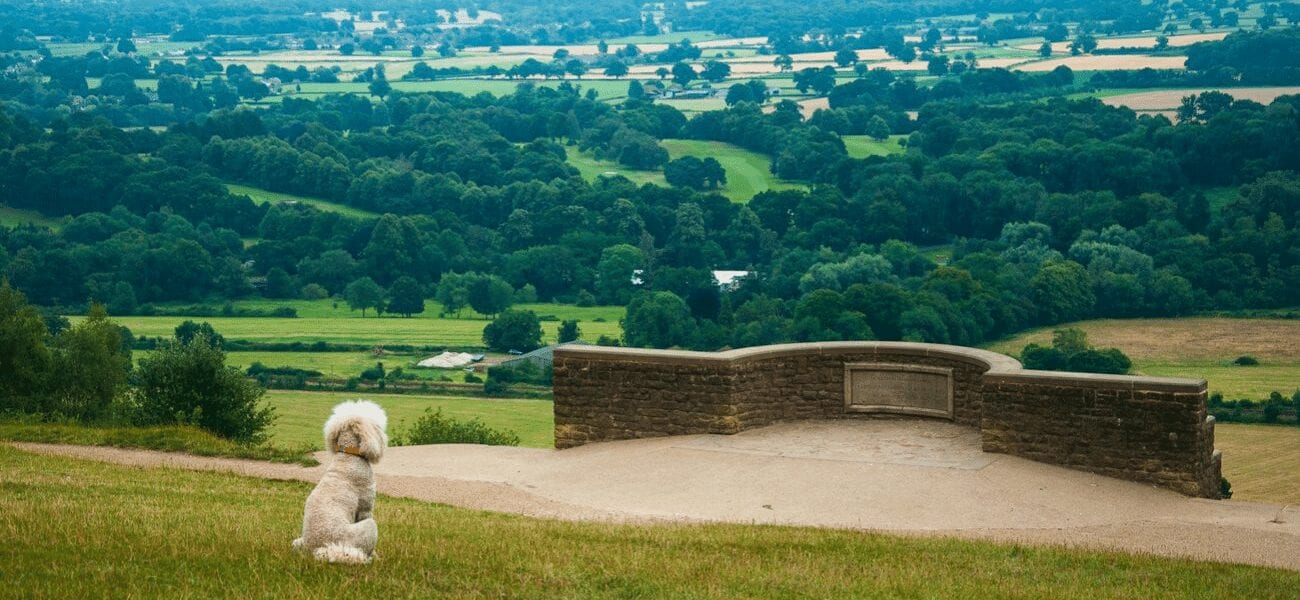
(850, 406)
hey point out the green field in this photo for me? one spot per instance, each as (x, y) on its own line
(301, 414)
(336, 364)
(319, 320)
(13, 217)
(79, 528)
(748, 172)
(1196, 347)
(261, 196)
(862, 146)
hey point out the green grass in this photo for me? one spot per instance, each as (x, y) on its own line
(13, 217)
(171, 438)
(263, 196)
(862, 146)
(1219, 197)
(747, 172)
(301, 414)
(318, 320)
(78, 528)
(1195, 347)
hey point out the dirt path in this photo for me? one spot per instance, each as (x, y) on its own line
(904, 477)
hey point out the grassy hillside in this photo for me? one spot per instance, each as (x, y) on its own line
(77, 528)
(260, 196)
(1198, 347)
(13, 217)
(302, 413)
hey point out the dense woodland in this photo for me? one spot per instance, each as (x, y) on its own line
(1049, 210)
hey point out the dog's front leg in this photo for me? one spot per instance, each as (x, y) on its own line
(366, 504)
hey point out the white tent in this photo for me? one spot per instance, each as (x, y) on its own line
(447, 360)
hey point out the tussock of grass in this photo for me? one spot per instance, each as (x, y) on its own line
(173, 438)
(76, 528)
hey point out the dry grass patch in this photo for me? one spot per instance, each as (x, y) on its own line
(1260, 461)
(1171, 99)
(1107, 62)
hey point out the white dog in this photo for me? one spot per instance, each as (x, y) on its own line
(338, 524)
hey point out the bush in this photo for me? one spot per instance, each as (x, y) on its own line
(434, 428)
(1246, 361)
(514, 330)
(472, 378)
(189, 383)
(1070, 352)
(1225, 488)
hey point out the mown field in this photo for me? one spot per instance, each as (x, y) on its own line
(76, 528)
(1260, 461)
(321, 320)
(862, 146)
(263, 196)
(301, 414)
(1197, 347)
(748, 173)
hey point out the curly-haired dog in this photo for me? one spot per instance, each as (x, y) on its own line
(337, 523)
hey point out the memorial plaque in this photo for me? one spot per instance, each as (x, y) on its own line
(897, 388)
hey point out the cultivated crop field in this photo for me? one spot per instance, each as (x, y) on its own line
(78, 528)
(1196, 347)
(1172, 99)
(301, 414)
(1260, 461)
(1106, 62)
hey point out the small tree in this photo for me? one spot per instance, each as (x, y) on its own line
(188, 330)
(878, 128)
(417, 51)
(24, 359)
(91, 366)
(364, 293)
(453, 292)
(519, 330)
(190, 383)
(683, 74)
(569, 331)
(406, 297)
(489, 294)
(846, 56)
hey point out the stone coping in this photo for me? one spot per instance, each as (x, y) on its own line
(998, 367)
(983, 358)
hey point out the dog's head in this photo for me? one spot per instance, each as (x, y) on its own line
(357, 427)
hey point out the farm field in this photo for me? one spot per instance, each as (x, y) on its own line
(1196, 347)
(187, 532)
(302, 413)
(1172, 99)
(607, 88)
(338, 364)
(1106, 62)
(1145, 41)
(591, 167)
(862, 146)
(450, 333)
(263, 196)
(13, 217)
(1260, 461)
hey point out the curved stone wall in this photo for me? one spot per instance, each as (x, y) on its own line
(1140, 428)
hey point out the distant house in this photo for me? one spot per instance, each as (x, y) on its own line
(273, 84)
(727, 280)
(677, 92)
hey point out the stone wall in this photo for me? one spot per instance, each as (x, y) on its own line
(1145, 429)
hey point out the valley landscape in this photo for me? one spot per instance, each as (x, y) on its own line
(220, 219)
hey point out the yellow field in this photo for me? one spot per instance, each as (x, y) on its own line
(1199, 347)
(1260, 461)
(1171, 99)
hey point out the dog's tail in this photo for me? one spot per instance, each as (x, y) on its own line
(340, 553)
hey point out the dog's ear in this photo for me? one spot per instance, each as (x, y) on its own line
(373, 440)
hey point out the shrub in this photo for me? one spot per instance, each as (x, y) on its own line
(190, 383)
(472, 378)
(1070, 352)
(1246, 361)
(434, 428)
(1225, 488)
(514, 330)
(374, 373)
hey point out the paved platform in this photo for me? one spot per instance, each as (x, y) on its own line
(905, 476)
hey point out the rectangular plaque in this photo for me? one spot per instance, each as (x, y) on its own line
(898, 388)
